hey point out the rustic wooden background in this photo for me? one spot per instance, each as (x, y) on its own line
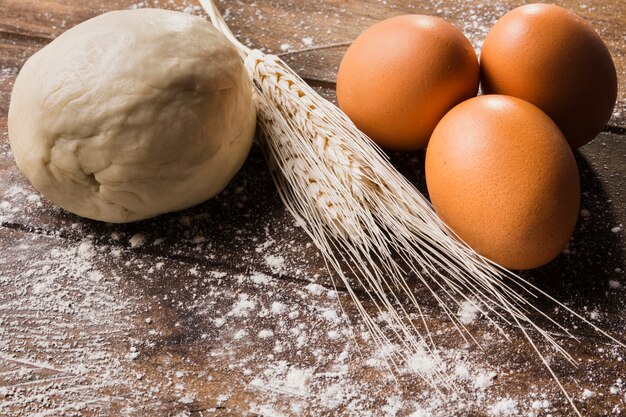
(226, 309)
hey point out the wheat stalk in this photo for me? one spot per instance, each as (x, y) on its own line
(365, 217)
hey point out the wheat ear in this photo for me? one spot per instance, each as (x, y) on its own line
(365, 217)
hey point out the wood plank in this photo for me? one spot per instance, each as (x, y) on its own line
(272, 24)
(104, 330)
(226, 308)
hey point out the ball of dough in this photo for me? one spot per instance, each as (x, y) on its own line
(132, 114)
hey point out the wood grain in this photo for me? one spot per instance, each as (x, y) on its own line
(179, 325)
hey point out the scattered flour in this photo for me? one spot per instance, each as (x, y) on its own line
(484, 380)
(423, 363)
(278, 307)
(276, 263)
(330, 315)
(298, 381)
(540, 404)
(259, 278)
(587, 394)
(243, 306)
(137, 240)
(506, 407)
(265, 334)
(242, 333)
(315, 289)
(420, 413)
(468, 312)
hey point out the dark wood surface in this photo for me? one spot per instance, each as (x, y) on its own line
(226, 309)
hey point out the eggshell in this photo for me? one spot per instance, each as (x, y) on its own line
(501, 174)
(554, 59)
(400, 76)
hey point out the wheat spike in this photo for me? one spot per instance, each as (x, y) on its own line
(365, 217)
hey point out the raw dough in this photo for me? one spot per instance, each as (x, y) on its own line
(131, 114)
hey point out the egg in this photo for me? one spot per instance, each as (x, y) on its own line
(551, 57)
(400, 76)
(502, 176)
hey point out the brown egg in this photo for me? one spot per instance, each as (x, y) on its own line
(501, 174)
(401, 76)
(552, 58)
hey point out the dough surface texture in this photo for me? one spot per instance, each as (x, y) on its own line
(132, 114)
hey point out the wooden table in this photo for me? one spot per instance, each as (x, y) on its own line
(226, 309)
